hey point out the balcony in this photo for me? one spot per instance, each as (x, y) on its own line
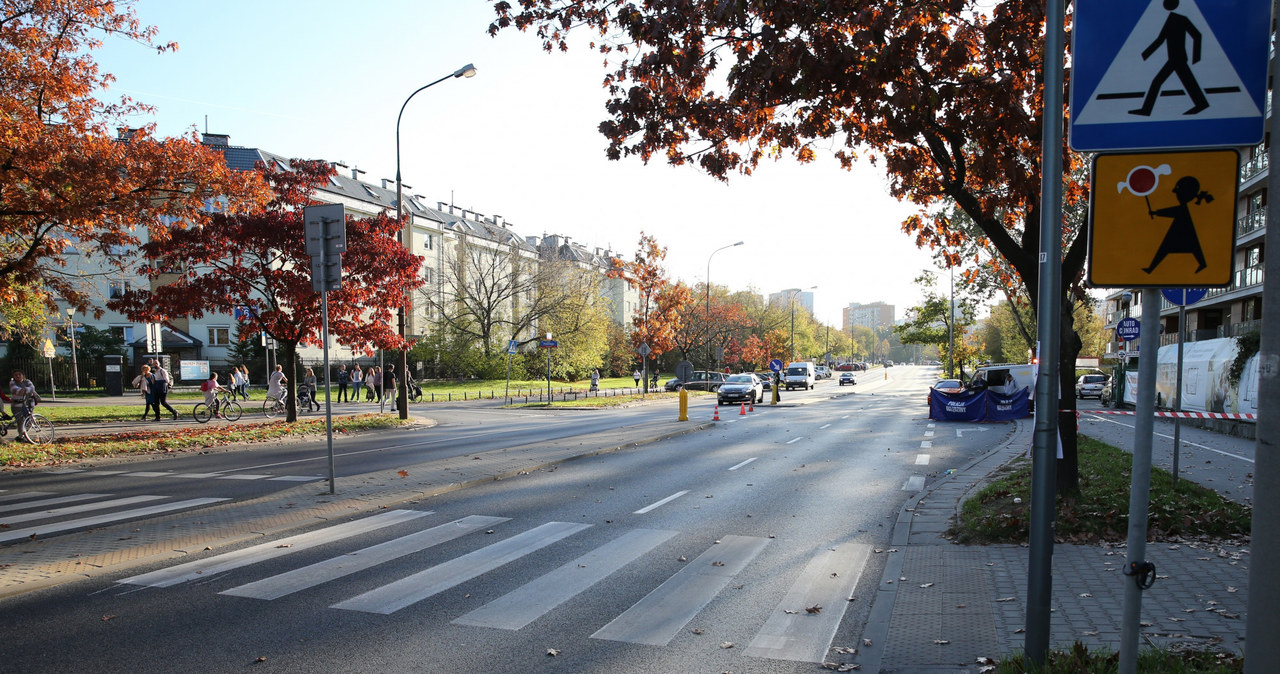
(1248, 277)
(1254, 166)
(1250, 222)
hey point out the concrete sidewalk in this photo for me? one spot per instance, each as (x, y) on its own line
(940, 606)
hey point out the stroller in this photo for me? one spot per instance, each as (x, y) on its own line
(414, 391)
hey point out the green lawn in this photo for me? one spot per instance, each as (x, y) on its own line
(1101, 512)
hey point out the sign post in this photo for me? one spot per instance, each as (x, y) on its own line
(548, 344)
(644, 368)
(326, 232)
(511, 351)
(1181, 297)
(47, 351)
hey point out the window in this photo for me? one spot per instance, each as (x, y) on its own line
(122, 332)
(117, 289)
(219, 336)
(429, 242)
(426, 274)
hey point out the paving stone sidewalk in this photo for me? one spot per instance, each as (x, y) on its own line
(940, 606)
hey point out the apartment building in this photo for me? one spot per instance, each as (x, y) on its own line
(875, 315)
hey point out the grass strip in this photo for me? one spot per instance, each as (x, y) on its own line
(1000, 511)
(22, 454)
(1081, 660)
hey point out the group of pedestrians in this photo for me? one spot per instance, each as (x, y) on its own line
(155, 382)
(375, 382)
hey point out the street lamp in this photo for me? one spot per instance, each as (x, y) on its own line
(709, 359)
(794, 292)
(71, 332)
(402, 382)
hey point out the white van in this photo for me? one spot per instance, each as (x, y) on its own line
(998, 378)
(801, 375)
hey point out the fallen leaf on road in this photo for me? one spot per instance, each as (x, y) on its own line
(844, 650)
(1007, 599)
(1085, 595)
(402, 473)
(285, 545)
(866, 642)
(1090, 633)
(698, 630)
(789, 611)
(108, 617)
(552, 652)
(726, 644)
(1232, 589)
(816, 608)
(682, 559)
(926, 585)
(941, 642)
(841, 666)
(717, 563)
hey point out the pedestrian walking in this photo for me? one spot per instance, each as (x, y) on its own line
(309, 382)
(636, 376)
(161, 382)
(389, 389)
(357, 381)
(377, 384)
(146, 384)
(244, 382)
(595, 380)
(344, 378)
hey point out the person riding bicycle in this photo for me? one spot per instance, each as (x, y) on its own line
(276, 382)
(22, 396)
(210, 388)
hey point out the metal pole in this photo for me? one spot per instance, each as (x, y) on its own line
(1044, 456)
(328, 405)
(75, 367)
(1262, 649)
(1140, 481)
(1177, 393)
(951, 325)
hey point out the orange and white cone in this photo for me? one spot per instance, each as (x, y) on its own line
(742, 412)
(717, 416)
(752, 408)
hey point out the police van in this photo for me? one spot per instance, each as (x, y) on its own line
(1009, 378)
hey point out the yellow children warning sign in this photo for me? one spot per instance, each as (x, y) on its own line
(1164, 219)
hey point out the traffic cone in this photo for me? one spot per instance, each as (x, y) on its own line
(742, 412)
(717, 416)
(753, 406)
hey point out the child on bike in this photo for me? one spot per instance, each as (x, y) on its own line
(210, 388)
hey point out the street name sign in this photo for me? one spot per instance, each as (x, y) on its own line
(1163, 219)
(1164, 74)
(1128, 329)
(1184, 296)
(548, 344)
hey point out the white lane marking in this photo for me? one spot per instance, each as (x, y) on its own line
(928, 434)
(25, 505)
(242, 476)
(147, 473)
(1170, 437)
(517, 609)
(412, 589)
(743, 463)
(823, 426)
(296, 478)
(795, 439)
(926, 444)
(198, 476)
(922, 459)
(14, 534)
(75, 510)
(657, 618)
(264, 551)
(914, 483)
(828, 580)
(663, 502)
(930, 425)
(352, 562)
(24, 494)
(845, 416)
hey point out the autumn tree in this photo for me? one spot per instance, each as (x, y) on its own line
(932, 322)
(259, 260)
(74, 179)
(660, 303)
(946, 97)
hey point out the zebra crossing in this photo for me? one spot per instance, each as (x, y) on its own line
(267, 477)
(58, 514)
(788, 632)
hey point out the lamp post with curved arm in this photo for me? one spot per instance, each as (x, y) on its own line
(710, 360)
(402, 381)
(794, 292)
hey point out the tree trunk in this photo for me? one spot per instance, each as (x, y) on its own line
(1069, 465)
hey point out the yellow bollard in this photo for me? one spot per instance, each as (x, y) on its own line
(684, 405)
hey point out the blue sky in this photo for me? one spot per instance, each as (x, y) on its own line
(324, 79)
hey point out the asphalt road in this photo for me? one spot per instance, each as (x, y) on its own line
(755, 546)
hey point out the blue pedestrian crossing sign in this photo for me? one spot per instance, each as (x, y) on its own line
(1169, 74)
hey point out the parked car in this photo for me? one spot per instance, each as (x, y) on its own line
(799, 374)
(847, 378)
(744, 388)
(845, 367)
(701, 380)
(1090, 385)
(821, 372)
(766, 380)
(945, 386)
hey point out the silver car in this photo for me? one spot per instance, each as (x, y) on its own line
(1090, 385)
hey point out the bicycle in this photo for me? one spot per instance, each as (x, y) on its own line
(222, 405)
(273, 407)
(35, 428)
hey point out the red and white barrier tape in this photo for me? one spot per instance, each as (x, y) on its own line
(1180, 415)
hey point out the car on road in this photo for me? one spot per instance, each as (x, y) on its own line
(740, 388)
(946, 386)
(799, 374)
(1090, 385)
(847, 378)
(821, 372)
(700, 380)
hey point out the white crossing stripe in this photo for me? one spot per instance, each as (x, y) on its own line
(264, 551)
(664, 501)
(823, 426)
(928, 434)
(412, 589)
(930, 425)
(926, 444)
(352, 562)
(914, 483)
(296, 478)
(828, 581)
(657, 618)
(27, 505)
(922, 459)
(14, 534)
(795, 439)
(743, 463)
(16, 496)
(147, 473)
(75, 510)
(526, 604)
(198, 476)
(241, 476)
